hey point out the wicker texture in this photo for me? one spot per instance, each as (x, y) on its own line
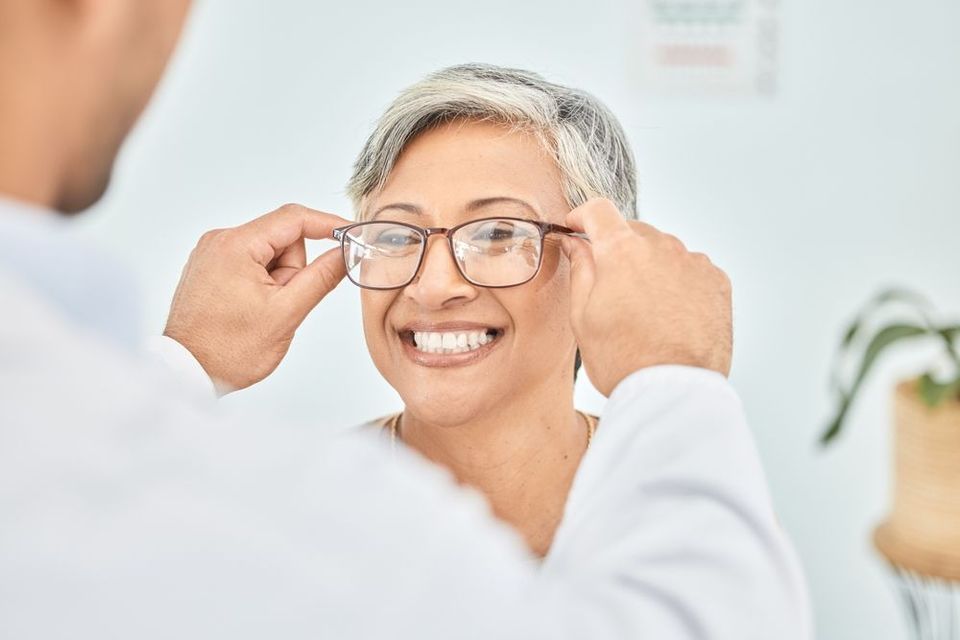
(922, 533)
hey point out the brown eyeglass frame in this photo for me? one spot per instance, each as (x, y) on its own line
(545, 228)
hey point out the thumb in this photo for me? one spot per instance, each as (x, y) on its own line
(312, 283)
(582, 273)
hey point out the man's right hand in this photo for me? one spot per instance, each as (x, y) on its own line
(640, 299)
(245, 291)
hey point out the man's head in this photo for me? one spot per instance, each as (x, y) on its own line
(74, 77)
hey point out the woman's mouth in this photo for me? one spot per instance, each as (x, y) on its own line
(452, 341)
(449, 347)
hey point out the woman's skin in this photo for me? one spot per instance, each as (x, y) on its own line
(501, 418)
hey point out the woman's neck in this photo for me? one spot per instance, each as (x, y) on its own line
(521, 454)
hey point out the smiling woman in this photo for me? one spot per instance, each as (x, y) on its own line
(461, 193)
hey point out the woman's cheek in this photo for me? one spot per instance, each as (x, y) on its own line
(541, 313)
(553, 312)
(374, 311)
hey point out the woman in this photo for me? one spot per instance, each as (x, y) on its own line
(472, 329)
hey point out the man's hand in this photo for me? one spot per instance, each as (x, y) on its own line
(640, 299)
(245, 291)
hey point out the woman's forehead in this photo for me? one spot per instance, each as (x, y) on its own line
(468, 168)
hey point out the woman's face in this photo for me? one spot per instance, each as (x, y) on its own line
(446, 176)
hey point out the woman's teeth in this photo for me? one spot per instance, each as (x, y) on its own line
(461, 342)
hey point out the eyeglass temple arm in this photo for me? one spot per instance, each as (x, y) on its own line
(567, 231)
(337, 234)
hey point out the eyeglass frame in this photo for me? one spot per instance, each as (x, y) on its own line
(545, 228)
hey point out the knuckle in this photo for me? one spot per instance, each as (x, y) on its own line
(724, 279)
(211, 236)
(700, 258)
(290, 209)
(674, 243)
(623, 238)
(642, 228)
(282, 214)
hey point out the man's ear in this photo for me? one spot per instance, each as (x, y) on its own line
(35, 19)
(59, 21)
(100, 18)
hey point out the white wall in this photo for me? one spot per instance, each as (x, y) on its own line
(847, 180)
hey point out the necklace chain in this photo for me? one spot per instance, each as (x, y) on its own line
(393, 424)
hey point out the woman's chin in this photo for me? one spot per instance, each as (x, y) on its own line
(444, 410)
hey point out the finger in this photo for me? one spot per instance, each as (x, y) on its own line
(312, 283)
(599, 218)
(582, 272)
(644, 229)
(289, 262)
(271, 234)
(294, 256)
(283, 275)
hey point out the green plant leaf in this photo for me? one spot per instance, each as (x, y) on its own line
(893, 294)
(884, 338)
(852, 331)
(951, 336)
(888, 295)
(833, 428)
(933, 392)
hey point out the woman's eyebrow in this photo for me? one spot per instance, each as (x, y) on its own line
(486, 202)
(402, 206)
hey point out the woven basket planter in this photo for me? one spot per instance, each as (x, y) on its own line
(922, 532)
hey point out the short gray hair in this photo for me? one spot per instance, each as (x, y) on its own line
(581, 134)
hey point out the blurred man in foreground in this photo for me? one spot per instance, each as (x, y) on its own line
(128, 508)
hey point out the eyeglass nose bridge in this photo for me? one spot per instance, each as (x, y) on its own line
(439, 231)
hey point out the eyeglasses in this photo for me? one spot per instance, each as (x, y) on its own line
(490, 252)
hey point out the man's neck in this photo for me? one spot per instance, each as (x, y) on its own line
(522, 456)
(33, 131)
(26, 174)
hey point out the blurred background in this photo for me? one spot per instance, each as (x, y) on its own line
(811, 148)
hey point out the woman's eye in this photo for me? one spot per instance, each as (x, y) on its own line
(394, 240)
(497, 232)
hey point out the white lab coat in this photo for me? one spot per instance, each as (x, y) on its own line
(129, 509)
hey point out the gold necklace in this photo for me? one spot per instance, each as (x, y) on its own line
(393, 424)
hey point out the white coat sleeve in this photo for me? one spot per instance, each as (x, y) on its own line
(181, 366)
(669, 532)
(127, 512)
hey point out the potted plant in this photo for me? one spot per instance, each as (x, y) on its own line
(922, 532)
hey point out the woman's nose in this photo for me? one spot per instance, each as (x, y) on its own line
(439, 284)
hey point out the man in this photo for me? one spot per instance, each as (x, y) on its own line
(130, 509)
